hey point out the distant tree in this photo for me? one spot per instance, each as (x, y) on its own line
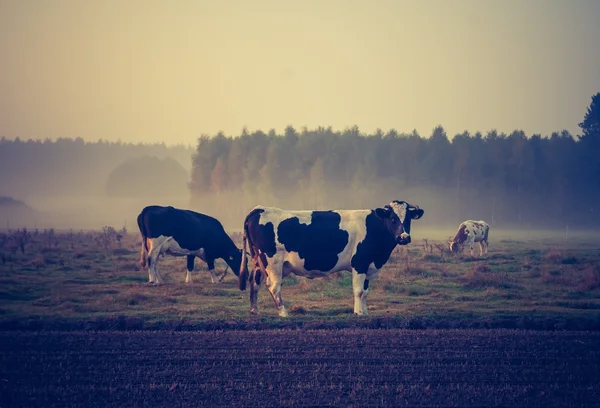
(147, 177)
(290, 133)
(591, 121)
(438, 159)
(317, 185)
(218, 177)
(70, 167)
(589, 162)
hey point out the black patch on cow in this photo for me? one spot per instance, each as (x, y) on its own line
(318, 243)
(191, 231)
(366, 285)
(260, 237)
(376, 247)
(462, 234)
(460, 238)
(190, 262)
(257, 276)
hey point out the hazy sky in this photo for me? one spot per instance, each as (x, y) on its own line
(157, 70)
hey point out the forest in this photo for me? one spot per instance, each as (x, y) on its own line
(511, 180)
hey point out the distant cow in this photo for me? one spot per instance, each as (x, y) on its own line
(316, 243)
(469, 233)
(171, 231)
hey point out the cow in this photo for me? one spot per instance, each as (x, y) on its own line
(469, 233)
(316, 243)
(177, 232)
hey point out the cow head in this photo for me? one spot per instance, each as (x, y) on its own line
(234, 260)
(391, 221)
(406, 213)
(454, 247)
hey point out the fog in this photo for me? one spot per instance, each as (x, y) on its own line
(528, 185)
(439, 223)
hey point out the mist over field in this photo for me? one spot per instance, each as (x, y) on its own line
(518, 183)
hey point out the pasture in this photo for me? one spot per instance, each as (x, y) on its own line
(79, 326)
(93, 280)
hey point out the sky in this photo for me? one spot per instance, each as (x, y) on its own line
(159, 71)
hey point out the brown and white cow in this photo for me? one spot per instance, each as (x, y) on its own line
(316, 243)
(470, 233)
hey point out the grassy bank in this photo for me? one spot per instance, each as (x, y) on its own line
(92, 280)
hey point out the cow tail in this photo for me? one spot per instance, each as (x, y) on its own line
(243, 276)
(487, 231)
(144, 251)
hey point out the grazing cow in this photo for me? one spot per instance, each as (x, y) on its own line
(316, 243)
(171, 231)
(469, 233)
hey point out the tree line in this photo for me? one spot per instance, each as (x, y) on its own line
(511, 180)
(71, 167)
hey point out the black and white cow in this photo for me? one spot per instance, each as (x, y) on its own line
(470, 233)
(316, 243)
(172, 231)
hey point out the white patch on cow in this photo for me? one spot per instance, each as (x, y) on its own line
(400, 210)
(477, 232)
(167, 245)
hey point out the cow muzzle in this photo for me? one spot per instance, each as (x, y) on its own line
(403, 239)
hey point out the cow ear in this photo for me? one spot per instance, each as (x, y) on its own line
(383, 212)
(416, 213)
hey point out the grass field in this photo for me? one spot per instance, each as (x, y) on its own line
(72, 280)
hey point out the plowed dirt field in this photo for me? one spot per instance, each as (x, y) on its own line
(271, 368)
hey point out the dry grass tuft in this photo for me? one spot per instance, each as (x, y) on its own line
(129, 298)
(38, 262)
(534, 272)
(557, 277)
(297, 310)
(481, 276)
(527, 265)
(481, 268)
(553, 256)
(591, 278)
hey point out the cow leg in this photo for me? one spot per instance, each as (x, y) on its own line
(256, 278)
(273, 283)
(190, 268)
(480, 248)
(360, 287)
(151, 259)
(147, 261)
(211, 269)
(153, 266)
(274, 287)
(150, 271)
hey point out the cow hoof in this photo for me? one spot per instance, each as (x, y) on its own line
(283, 313)
(253, 311)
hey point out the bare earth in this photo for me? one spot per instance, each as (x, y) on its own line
(269, 368)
